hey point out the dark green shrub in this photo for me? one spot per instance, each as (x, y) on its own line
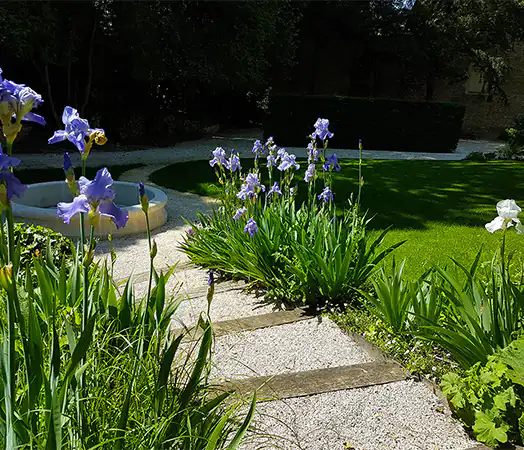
(32, 241)
(382, 124)
(515, 134)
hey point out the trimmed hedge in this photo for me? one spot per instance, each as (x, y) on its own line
(382, 124)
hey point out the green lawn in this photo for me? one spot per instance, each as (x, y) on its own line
(439, 207)
(28, 176)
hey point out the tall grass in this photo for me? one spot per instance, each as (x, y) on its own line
(158, 399)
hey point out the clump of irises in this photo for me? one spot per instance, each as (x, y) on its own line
(245, 196)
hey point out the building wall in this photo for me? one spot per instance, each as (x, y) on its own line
(488, 118)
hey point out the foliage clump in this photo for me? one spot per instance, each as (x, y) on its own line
(489, 397)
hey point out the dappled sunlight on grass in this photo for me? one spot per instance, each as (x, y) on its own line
(440, 241)
(440, 207)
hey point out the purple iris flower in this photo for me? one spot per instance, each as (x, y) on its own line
(331, 164)
(281, 152)
(68, 165)
(21, 99)
(97, 196)
(233, 163)
(310, 173)
(239, 213)
(271, 160)
(70, 174)
(250, 187)
(287, 161)
(270, 143)
(251, 227)
(210, 278)
(13, 185)
(326, 195)
(275, 189)
(6, 162)
(75, 130)
(219, 157)
(258, 147)
(142, 197)
(321, 129)
(312, 153)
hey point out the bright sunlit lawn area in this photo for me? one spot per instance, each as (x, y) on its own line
(439, 207)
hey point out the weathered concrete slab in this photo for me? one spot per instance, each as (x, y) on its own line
(403, 415)
(299, 384)
(247, 324)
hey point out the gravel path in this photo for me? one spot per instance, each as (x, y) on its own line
(308, 345)
(241, 141)
(397, 416)
(403, 415)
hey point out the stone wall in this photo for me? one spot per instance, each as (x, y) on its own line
(488, 118)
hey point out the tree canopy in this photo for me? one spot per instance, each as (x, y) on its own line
(116, 61)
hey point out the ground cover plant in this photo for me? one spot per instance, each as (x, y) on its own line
(474, 316)
(307, 252)
(489, 397)
(85, 364)
(437, 207)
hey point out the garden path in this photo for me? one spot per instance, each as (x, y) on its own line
(241, 141)
(328, 390)
(318, 387)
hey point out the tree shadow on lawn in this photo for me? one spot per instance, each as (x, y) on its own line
(409, 194)
(401, 194)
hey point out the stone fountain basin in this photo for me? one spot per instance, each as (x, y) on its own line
(38, 206)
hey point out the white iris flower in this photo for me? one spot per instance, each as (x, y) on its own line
(508, 212)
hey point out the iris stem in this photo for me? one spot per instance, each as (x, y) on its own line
(11, 239)
(149, 285)
(10, 382)
(4, 241)
(359, 175)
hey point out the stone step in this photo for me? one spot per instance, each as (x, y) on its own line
(250, 323)
(315, 343)
(318, 381)
(397, 415)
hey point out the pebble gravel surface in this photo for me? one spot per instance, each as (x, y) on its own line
(296, 347)
(397, 416)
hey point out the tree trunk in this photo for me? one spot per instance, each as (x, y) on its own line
(69, 65)
(45, 75)
(50, 95)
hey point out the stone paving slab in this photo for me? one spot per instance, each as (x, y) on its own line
(225, 327)
(225, 306)
(317, 381)
(403, 415)
(316, 343)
